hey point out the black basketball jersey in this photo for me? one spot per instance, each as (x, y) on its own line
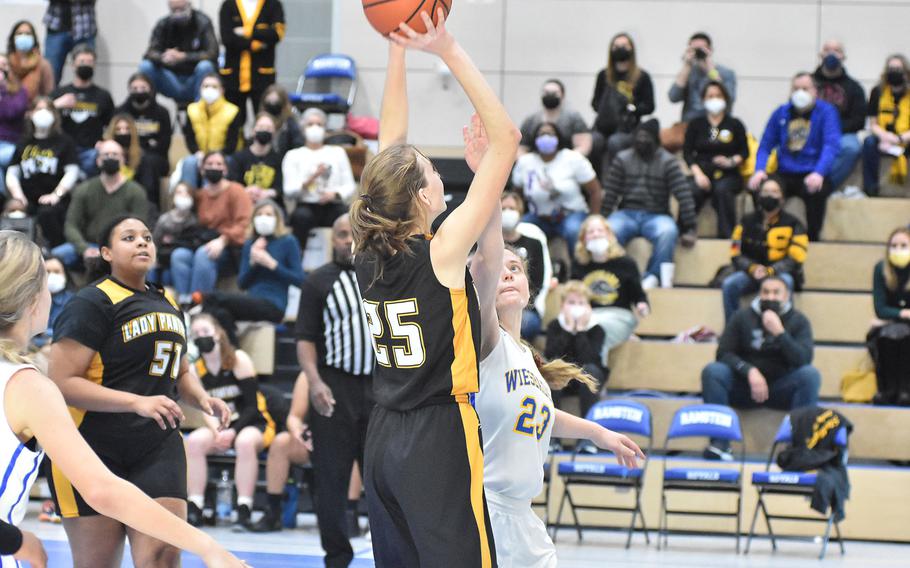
(426, 336)
(139, 338)
(224, 385)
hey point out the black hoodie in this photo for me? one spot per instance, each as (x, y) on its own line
(846, 95)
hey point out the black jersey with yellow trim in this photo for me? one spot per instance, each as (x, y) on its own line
(139, 339)
(225, 385)
(426, 336)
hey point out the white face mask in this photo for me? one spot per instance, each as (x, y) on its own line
(801, 99)
(265, 224)
(576, 311)
(56, 282)
(183, 202)
(314, 133)
(715, 106)
(43, 119)
(210, 94)
(598, 246)
(510, 219)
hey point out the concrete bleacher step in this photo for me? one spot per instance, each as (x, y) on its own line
(676, 367)
(864, 220)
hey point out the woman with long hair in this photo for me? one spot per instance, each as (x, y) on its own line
(889, 339)
(27, 64)
(34, 413)
(423, 459)
(288, 135)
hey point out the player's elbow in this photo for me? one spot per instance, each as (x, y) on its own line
(100, 497)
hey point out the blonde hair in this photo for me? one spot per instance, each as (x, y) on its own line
(133, 154)
(887, 268)
(574, 287)
(559, 373)
(281, 228)
(581, 251)
(23, 274)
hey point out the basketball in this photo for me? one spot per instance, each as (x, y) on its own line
(386, 15)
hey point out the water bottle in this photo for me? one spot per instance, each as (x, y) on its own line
(289, 512)
(224, 498)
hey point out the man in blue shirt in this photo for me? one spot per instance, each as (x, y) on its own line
(806, 134)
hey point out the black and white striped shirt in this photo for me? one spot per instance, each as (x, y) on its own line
(331, 316)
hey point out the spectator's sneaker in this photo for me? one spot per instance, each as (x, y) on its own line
(194, 514)
(648, 282)
(717, 454)
(243, 522)
(270, 522)
(48, 513)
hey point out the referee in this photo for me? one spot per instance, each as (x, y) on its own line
(336, 354)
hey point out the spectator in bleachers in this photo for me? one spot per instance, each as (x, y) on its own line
(213, 125)
(25, 61)
(623, 94)
(62, 290)
(176, 228)
(613, 280)
(715, 147)
(13, 106)
(95, 202)
(181, 53)
(250, 32)
(318, 177)
(153, 123)
(530, 243)
(270, 263)
(334, 348)
(842, 91)
(227, 373)
(889, 124)
(69, 23)
(554, 179)
(764, 358)
(122, 130)
(556, 111)
(288, 136)
(43, 171)
(806, 133)
(258, 166)
(575, 337)
(697, 69)
(767, 242)
(225, 210)
(889, 339)
(85, 108)
(638, 186)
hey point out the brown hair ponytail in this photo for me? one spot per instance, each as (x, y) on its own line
(559, 373)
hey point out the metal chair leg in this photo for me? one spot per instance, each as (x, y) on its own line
(752, 527)
(821, 556)
(631, 527)
(840, 539)
(662, 530)
(764, 510)
(644, 526)
(574, 514)
(558, 520)
(739, 504)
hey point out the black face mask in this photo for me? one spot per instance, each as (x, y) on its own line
(620, 54)
(212, 175)
(772, 305)
(768, 203)
(125, 140)
(645, 146)
(896, 77)
(550, 101)
(85, 72)
(110, 166)
(140, 97)
(273, 109)
(264, 137)
(205, 344)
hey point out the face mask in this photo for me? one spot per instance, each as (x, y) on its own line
(183, 202)
(205, 344)
(550, 101)
(24, 42)
(645, 146)
(314, 133)
(265, 224)
(772, 305)
(715, 106)
(510, 219)
(85, 72)
(598, 246)
(140, 97)
(801, 99)
(546, 143)
(576, 311)
(213, 175)
(211, 94)
(899, 257)
(56, 282)
(620, 54)
(125, 140)
(768, 203)
(831, 62)
(895, 77)
(272, 108)
(43, 119)
(110, 166)
(264, 137)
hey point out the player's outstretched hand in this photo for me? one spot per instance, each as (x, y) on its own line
(159, 408)
(436, 40)
(221, 558)
(627, 452)
(475, 142)
(31, 551)
(217, 408)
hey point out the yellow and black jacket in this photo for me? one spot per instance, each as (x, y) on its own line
(780, 246)
(212, 127)
(249, 60)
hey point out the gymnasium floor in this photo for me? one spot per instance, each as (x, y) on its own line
(300, 549)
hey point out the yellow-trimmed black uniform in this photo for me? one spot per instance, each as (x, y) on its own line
(247, 403)
(424, 460)
(139, 338)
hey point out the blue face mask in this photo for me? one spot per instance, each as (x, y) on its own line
(831, 62)
(546, 143)
(24, 42)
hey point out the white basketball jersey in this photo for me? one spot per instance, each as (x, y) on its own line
(516, 417)
(20, 464)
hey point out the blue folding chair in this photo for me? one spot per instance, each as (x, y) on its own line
(798, 483)
(629, 417)
(329, 82)
(703, 421)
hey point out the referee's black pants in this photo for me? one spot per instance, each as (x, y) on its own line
(337, 442)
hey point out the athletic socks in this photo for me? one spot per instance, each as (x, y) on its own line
(248, 501)
(198, 500)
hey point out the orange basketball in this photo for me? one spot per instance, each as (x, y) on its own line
(386, 15)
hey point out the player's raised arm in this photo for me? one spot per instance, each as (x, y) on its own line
(393, 117)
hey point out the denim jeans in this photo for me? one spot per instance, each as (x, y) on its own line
(57, 46)
(7, 149)
(567, 227)
(530, 324)
(872, 159)
(193, 271)
(660, 230)
(849, 153)
(739, 284)
(181, 88)
(88, 161)
(67, 253)
(189, 171)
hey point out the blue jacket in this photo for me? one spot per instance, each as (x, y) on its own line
(272, 285)
(820, 149)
